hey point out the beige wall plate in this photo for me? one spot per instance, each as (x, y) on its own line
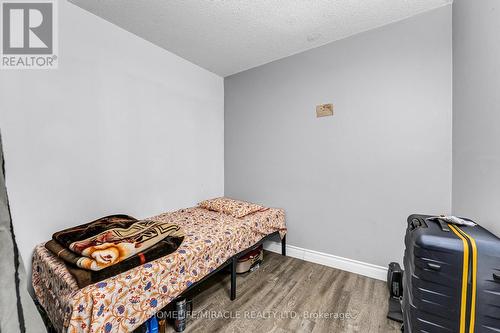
(324, 110)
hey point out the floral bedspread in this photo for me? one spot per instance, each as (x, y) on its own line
(123, 302)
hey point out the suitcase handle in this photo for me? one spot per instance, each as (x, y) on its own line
(417, 222)
(496, 277)
(444, 226)
(435, 267)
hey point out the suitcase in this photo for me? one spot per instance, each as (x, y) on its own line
(451, 280)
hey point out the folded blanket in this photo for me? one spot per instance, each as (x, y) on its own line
(85, 277)
(110, 240)
(83, 231)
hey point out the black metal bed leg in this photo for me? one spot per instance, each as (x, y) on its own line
(233, 278)
(283, 246)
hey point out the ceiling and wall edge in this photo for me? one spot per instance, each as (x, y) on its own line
(230, 37)
(345, 37)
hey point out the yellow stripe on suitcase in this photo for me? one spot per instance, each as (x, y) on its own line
(463, 310)
(474, 281)
(465, 273)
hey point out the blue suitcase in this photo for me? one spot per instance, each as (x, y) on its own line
(451, 281)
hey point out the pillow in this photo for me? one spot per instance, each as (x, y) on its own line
(231, 207)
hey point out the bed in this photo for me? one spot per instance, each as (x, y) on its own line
(123, 302)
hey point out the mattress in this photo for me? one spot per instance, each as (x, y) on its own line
(123, 302)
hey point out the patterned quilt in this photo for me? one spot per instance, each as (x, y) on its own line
(123, 302)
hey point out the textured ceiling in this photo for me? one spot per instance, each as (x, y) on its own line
(229, 36)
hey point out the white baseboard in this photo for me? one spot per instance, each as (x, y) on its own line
(350, 265)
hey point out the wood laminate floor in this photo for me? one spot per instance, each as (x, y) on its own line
(291, 295)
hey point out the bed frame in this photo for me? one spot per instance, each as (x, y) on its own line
(232, 262)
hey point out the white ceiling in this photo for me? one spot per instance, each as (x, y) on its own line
(229, 36)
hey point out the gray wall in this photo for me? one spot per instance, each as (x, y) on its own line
(476, 111)
(348, 182)
(121, 126)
